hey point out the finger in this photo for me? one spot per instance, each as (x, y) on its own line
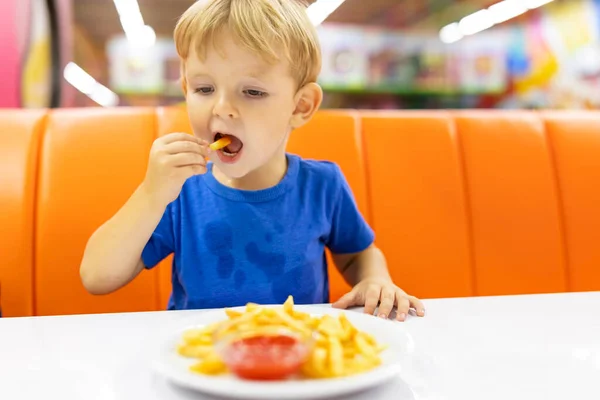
(388, 298)
(185, 159)
(184, 146)
(347, 300)
(372, 299)
(179, 136)
(417, 305)
(192, 170)
(402, 306)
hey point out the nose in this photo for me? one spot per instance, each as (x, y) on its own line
(224, 108)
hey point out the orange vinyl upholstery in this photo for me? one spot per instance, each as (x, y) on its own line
(416, 190)
(91, 162)
(20, 136)
(514, 206)
(575, 142)
(462, 203)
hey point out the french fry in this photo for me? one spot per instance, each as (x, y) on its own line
(349, 330)
(231, 324)
(210, 365)
(349, 352)
(338, 348)
(359, 364)
(318, 362)
(219, 144)
(320, 339)
(288, 305)
(197, 337)
(292, 323)
(194, 351)
(369, 338)
(330, 327)
(336, 357)
(380, 348)
(232, 313)
(364, 347)
(304, 317)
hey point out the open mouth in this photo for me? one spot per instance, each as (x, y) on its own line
(233, 148)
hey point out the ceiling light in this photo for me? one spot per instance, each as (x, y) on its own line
(321, 9)
(476, 22)
(87, 85)
(506, 10)
(144, 37)
(451, 33)
(486, 18)
(137, 32)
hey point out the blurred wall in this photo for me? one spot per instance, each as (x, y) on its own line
(66, 24)
(10, 53)
(25, 53)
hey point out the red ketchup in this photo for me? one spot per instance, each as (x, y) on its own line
(265, 357)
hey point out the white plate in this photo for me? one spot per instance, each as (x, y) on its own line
(392, 333)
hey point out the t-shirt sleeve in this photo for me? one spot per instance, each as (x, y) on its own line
(162, 241)
(350, 233)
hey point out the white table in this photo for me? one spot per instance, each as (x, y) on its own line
(516, 347)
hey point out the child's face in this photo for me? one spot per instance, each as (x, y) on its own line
(237, 94)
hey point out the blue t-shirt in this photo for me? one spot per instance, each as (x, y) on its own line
(233, 246)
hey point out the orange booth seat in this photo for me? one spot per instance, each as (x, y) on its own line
(463, 203)
(20, 134)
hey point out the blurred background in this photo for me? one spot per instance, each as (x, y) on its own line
(377, 54)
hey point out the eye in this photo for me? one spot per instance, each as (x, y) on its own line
(204, 90)
(255, 93)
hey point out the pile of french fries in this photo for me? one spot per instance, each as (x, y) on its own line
(339, 348)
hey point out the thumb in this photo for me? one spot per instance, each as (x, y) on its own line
(347, 300)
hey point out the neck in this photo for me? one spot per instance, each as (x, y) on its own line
(264, 177)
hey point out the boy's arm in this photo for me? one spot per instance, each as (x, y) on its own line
(361, 263)
(113, 255)
(372, 285)
(356, 267)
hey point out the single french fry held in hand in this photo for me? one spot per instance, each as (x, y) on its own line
(219, 144)
(338, 349)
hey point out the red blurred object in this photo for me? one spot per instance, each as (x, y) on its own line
(265, 357)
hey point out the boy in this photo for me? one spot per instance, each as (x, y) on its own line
(251, 225)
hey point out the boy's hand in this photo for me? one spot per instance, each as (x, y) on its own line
(373, 291)
(173, 159)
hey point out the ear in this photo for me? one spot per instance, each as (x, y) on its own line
(308, 100)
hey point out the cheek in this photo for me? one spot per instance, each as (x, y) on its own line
(195, 120)
(198, 122)
(278, 117)
(271, 137)
(270, 129)
(196, 110)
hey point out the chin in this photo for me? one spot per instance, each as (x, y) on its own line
(235, 171)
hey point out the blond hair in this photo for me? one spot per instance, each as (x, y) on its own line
(262, 26)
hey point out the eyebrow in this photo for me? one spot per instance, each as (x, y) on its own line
(199, 75)
(255, 74)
